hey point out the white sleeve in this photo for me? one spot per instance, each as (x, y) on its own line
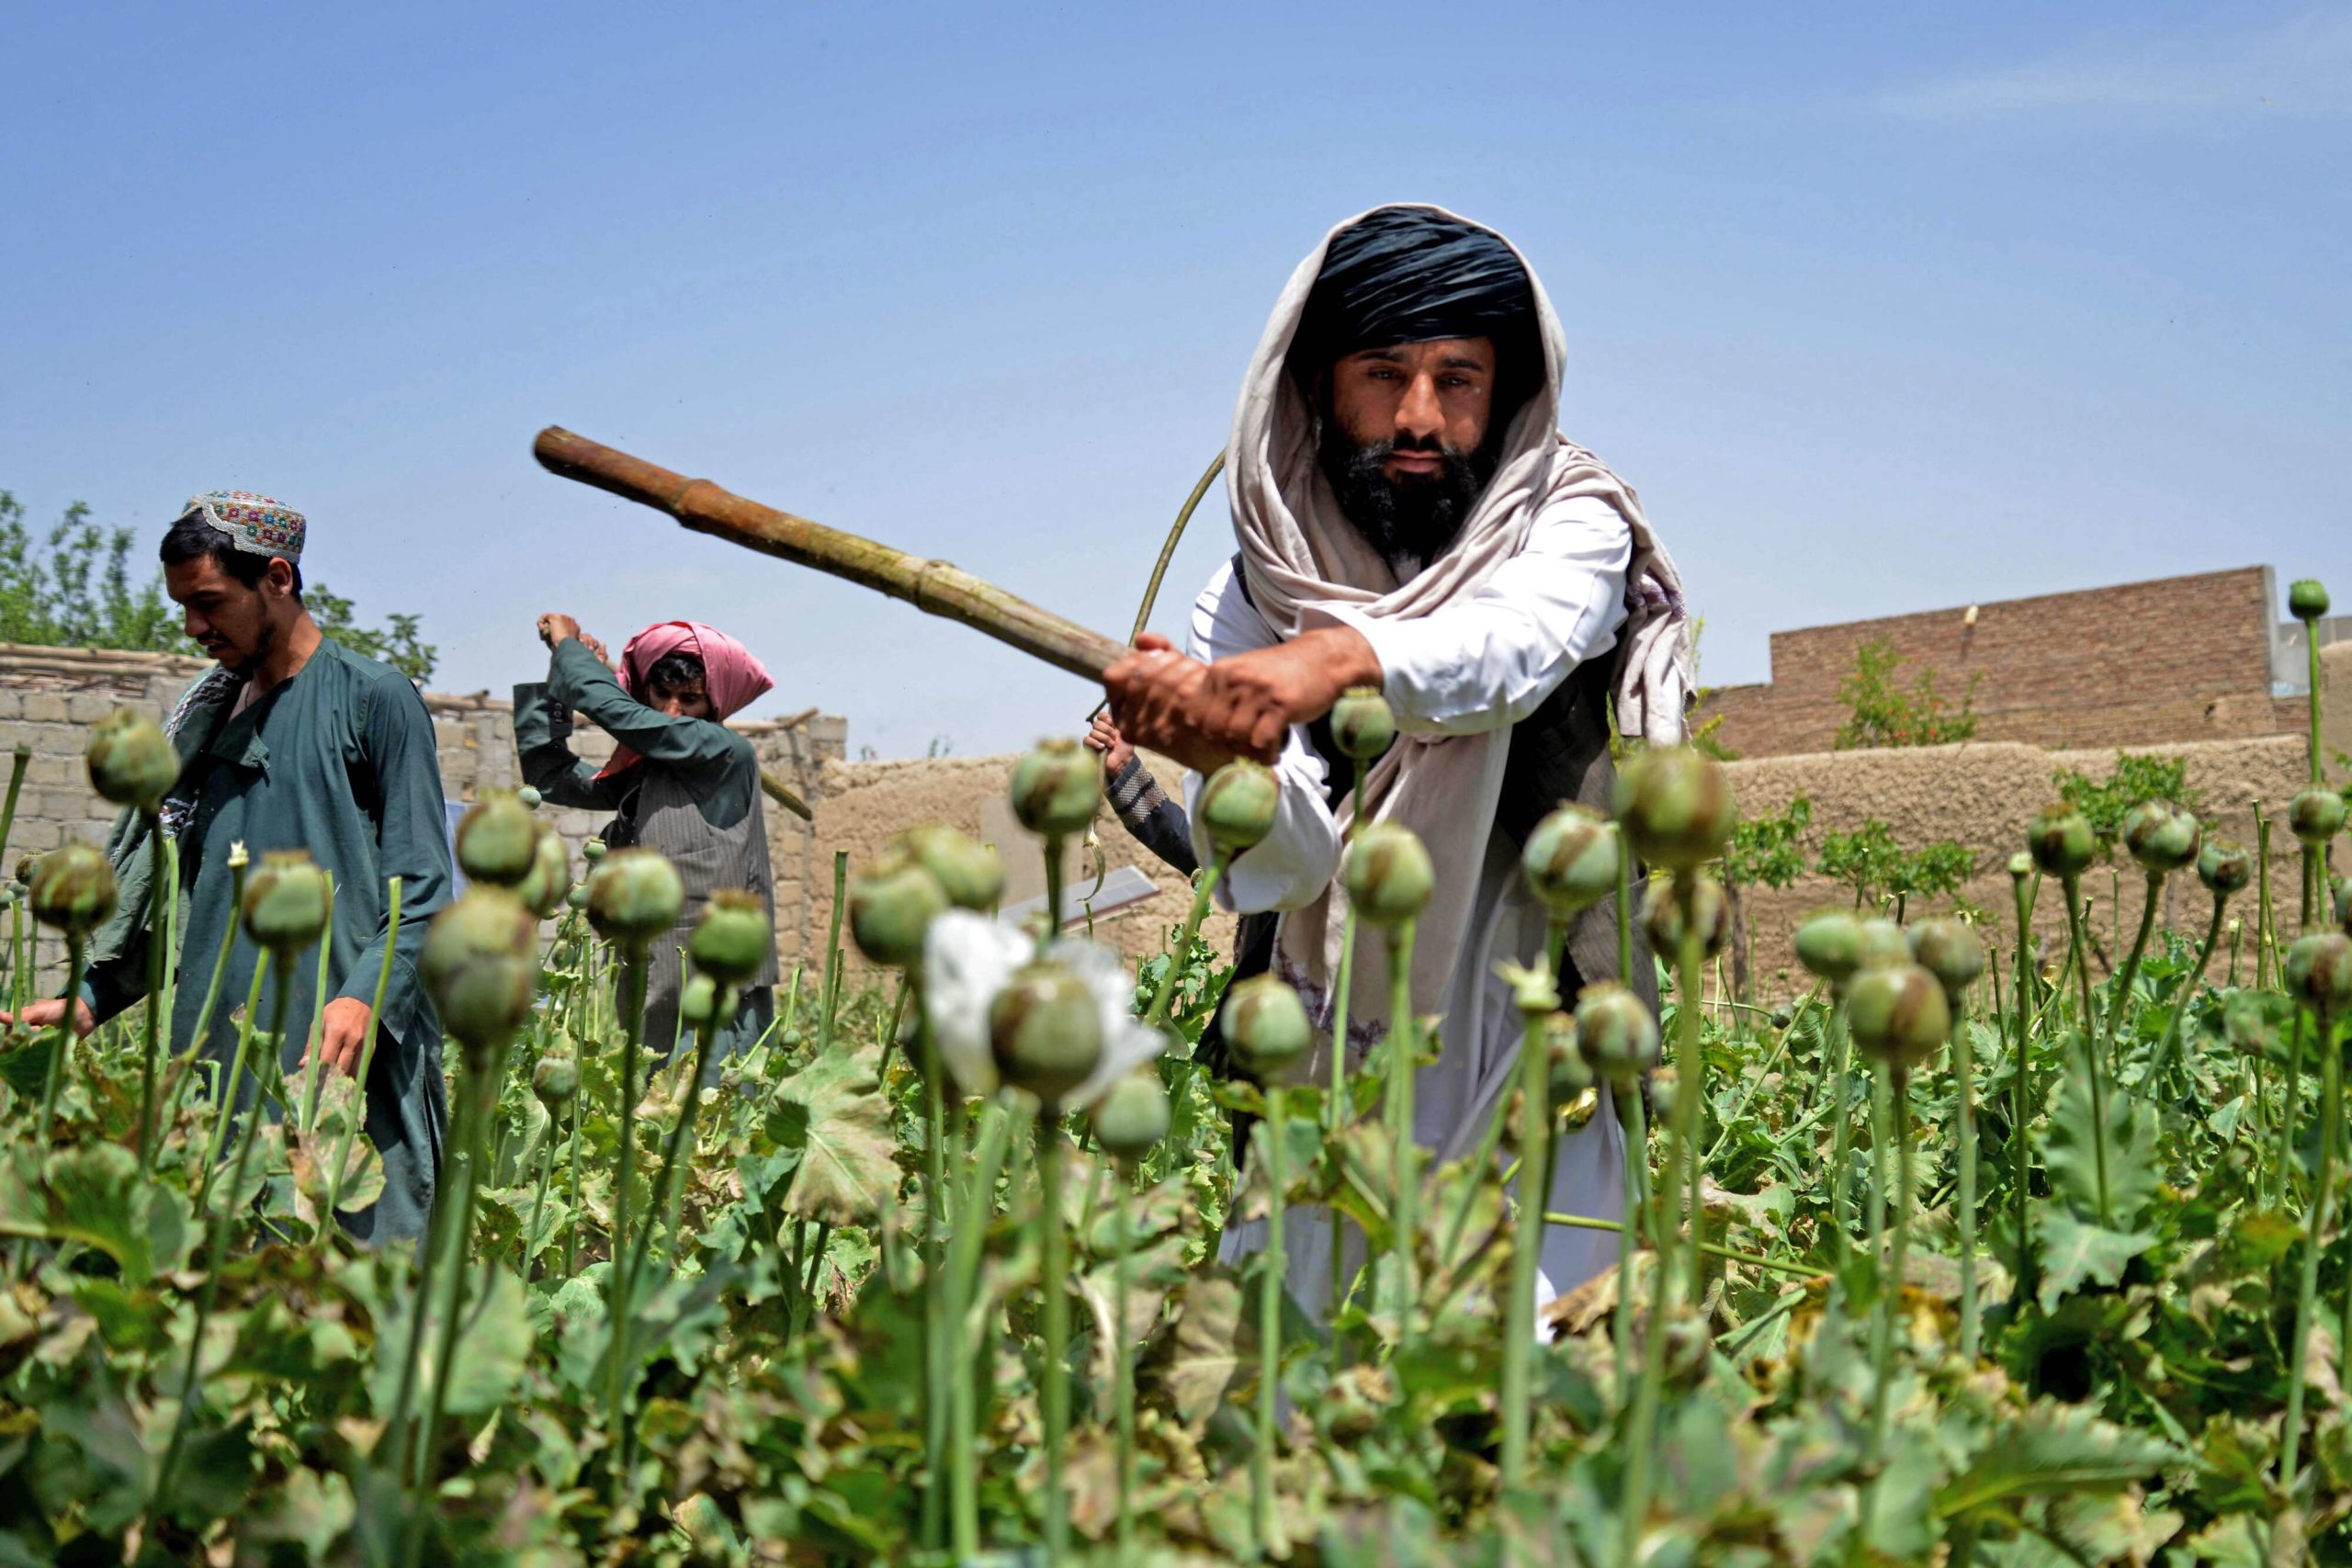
(1490, 660)
(1296, 861)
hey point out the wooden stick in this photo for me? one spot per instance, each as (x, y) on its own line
(935, 587)
(784, 797)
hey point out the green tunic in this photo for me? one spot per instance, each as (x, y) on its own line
(340, 762)
(695, 796)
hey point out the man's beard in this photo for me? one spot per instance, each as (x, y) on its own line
(1415, 517)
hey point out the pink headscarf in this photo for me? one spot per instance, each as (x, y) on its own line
(732, 676)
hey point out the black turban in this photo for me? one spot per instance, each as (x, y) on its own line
(1409, 274)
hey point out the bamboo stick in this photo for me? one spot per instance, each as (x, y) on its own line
(935, 587)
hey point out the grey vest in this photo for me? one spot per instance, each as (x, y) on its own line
(666, 814)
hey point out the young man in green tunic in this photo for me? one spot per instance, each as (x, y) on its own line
(294, 742)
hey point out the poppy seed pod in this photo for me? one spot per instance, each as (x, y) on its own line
(1131, 1118)
(2061, 842)
(1387, 873)
(555, 1079)
(592, 851)
(546, 886)
(285, 904)
(971, 873)
(1532, 992)
(1567, 1072)
(2315, 815)
(2344, 903)
(697, 1000)
(2242, 1024)
(1898, 1014)
(578, 897)
(1362, 723)
(2020, 866)
(131, 761)
(1676, 806)
(891, 905)
(1883, 942)
(2319, 972)
(529, 797)
(1616, 1033)
(1571, 859)
(634, 896)
(2306, 600)
(1949, 949)
(1045, 1032)
(733, 941)
(496, 839)
(1660, 1087)
(1237, 805)
(1663, 911)
(1829, 944)
(479, 965)
(1056, 785)
(2161, 836)
(2223, 868)
(1266, 1024)
(72, 888)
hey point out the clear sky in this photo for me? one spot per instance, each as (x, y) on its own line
(1881, 307)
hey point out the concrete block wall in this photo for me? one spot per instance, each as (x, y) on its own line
(2180, 658)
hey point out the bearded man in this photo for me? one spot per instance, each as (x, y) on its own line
(293, 742)
(1410, 519)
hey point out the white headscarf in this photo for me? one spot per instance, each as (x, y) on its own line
(1299, 551)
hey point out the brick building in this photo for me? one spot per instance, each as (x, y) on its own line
(2202, 658)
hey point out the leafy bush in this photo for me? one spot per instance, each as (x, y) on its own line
(1869, 861)
(1879, 713)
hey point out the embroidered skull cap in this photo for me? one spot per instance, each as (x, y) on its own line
(255, 524)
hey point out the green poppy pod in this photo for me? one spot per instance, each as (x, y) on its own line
(547, 885)
(1664, 915)
(286, 902)
(2020, 866)
(496, 840)
(2060, 839)
(1387, 873)
(1045, 1032)
(634, 896)
(1676, 806)
(72, 888)
(555, 1079)
(1566, 1073)
(1056, 785)
(2319, 972)
(530, 797)
(2306, 599)
(734, 938)
(1660, 1087)
(1237, 805)
(2315, 815)
(1362, 723)
(592, 851)
(1616, 1033)
(2161, 836)
(2344, 903)
(891, 906)
(578, 897)
(969, 873)
(1883, 942)
(2242, 1024)
(1949, 949)
(697, 1000)
(1131, 1118)
(481, 964)
(1266, 1025)
(131, 761)
(1571, 859)
(1898, 1014)
(2223, 868)
(1829, 944)
(1532, 992)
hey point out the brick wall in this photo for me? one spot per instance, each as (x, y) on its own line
(49, 696)
(2178, 660)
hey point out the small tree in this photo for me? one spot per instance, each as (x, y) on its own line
(1764, 851)
(1880, 712)
(1869, 861)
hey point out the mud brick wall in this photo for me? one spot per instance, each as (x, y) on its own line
(2178, 660)
(49, 697)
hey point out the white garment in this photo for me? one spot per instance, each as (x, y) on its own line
(1477, 664)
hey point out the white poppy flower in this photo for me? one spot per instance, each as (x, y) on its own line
(967, 958)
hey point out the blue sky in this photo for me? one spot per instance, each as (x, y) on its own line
(1881, 309)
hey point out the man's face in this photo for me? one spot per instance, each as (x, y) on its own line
(684, 702)
(235, 624)
(1404, 440)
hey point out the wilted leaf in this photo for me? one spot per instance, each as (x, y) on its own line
(845, 1144)
(93, 1195)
